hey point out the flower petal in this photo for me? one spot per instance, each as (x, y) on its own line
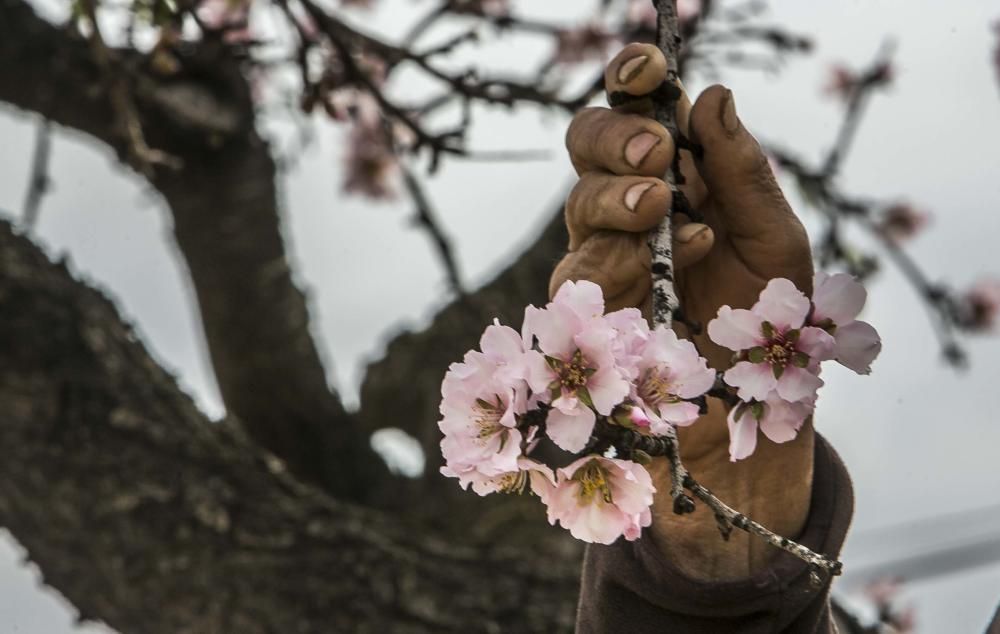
(796, 384)
(682, 413)
(817, 343)
(837, 297)
(781, 421)
(607, 388)
(555, 336)
(742, 434)
(584, 298)
(736, 329)
(782, 304)
(753, 380)
(857, 346)
(570, 431)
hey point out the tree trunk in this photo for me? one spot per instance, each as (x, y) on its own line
(153, 519)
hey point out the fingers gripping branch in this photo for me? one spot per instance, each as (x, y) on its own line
(665, 303)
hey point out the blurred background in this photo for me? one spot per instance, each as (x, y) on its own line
(920, 436)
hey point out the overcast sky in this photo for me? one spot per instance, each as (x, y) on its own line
(920, 439)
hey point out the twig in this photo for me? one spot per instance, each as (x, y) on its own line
(39, 181)
(425, 217)
(627, 442)
(855, 107)
(660, 239)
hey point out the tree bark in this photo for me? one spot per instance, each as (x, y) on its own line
(153, 519)
(227, 225)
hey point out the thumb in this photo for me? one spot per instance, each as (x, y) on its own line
(736, 171)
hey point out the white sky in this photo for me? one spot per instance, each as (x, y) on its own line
(919, 439)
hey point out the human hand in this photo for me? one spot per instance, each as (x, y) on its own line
(749, 235)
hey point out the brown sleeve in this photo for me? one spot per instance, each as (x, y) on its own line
(630, 587)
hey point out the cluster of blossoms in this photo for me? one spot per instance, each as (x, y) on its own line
(573, 369)
(778, 346)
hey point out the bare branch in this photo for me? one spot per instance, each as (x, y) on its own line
(39, 181)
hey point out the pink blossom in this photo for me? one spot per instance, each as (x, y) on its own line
(600, 499)
(837, 301)
(902, 221)
(480, 434)
(842, 82)
(642, 13)
(528, 472)
(979, 307)
(577, 369)
(372, 164)
(585, 42)
(776, 351)
(779, 420)
(230, 16)
(632, 333)
(481, 400)
(670, 372)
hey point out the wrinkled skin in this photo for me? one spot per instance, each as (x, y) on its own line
(749, 235)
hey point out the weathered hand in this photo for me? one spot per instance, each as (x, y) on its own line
(749, 235)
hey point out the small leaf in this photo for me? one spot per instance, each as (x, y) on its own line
(589, 372)
(756, 354)
(757, 409)
(584, 395)
(484, 404)
(767, 329)
(800, 359)
(553, 362)
(778, 370)
(792, 335)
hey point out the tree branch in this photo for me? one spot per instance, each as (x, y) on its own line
(227, 224)
(153, 519)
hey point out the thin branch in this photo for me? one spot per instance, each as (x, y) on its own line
(665, 108)
(627, 442)
(425, 217)
(857, 100)
(39, 182)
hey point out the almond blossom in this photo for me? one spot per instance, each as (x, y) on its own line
(481, 400)
(601, 499)
(578, 372)
(979, 306)
(529, 473)
(779, 420)
(837, 300)
(670, 372)
(902, 221)
(777, 352)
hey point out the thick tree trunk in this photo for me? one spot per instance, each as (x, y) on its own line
(227, 225)
(153, 519)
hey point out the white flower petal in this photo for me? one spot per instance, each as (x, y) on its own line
(570, 431)
(742, 435)
(837, 297)
(737, 329)
(797, 384)
(857, 346)
(753, 380)
(782, 304)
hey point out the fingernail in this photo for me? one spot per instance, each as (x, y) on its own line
(688, 232)
(630, 68)
(634, 193)
(639, 146)
(730, 122)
